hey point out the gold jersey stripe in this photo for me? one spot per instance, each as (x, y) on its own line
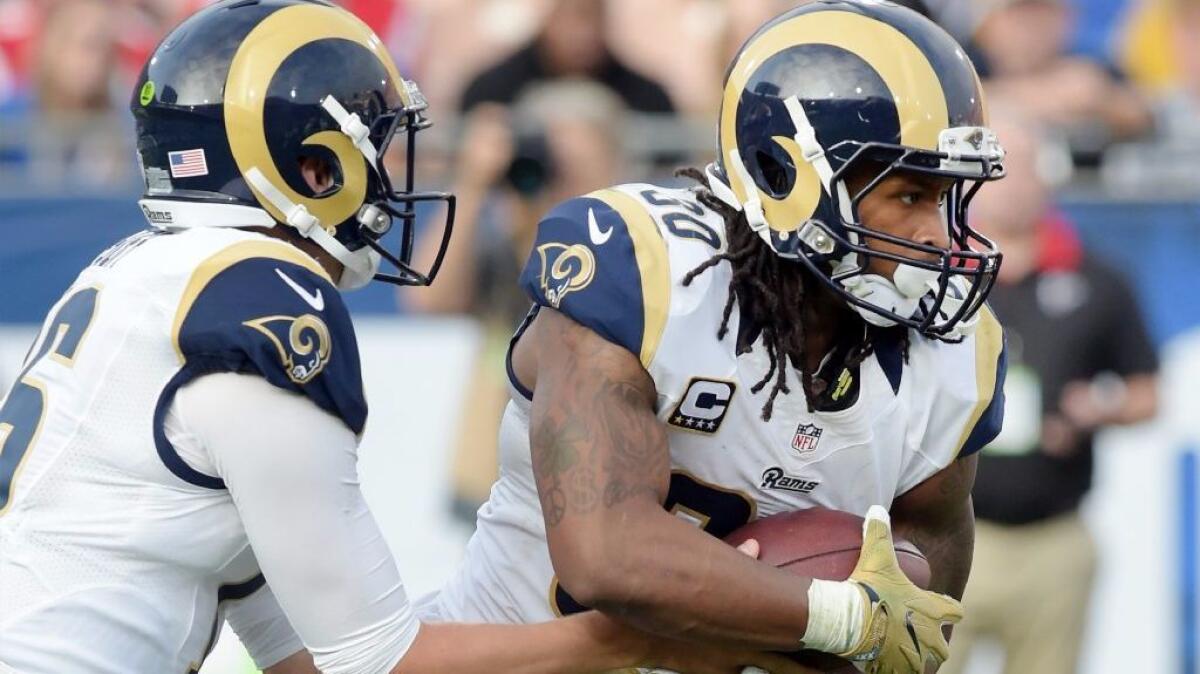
(989, 340)
(650, 250)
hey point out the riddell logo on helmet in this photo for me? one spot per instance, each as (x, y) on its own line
(158, 217)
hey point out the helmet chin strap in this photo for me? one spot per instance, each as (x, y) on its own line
(814, 153)
(353, 128)
(901, 295)
(359, 266)
(909, 286)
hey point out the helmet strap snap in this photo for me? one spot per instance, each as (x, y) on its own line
(752, 206)
(814, 153)
(353, 128)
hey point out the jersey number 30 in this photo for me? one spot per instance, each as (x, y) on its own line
(23, 410)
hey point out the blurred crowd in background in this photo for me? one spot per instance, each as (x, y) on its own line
(535, 101)
(1118, 81)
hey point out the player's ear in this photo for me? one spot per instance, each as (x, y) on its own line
(318, 174)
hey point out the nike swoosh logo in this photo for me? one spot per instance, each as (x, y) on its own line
(598, 237)
(313, 299)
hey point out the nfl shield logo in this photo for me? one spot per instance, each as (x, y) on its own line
(806, 439)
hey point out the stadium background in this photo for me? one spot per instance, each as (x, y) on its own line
(68, 185)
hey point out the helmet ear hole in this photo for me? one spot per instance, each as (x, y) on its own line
(776, 176)
(321, 171)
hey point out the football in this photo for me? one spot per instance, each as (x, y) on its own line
(822, 543)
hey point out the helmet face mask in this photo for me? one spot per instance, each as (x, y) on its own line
(252, 90)
(958, 279)
(831, 90)
(399, 205)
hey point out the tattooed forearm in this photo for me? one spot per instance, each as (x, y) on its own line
(637, 456)
(602, 466)
(595, 441)
(555, 454)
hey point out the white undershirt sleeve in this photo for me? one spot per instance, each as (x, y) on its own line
(262, 627)
(291, 469)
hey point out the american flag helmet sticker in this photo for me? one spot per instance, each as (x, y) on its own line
(188, 164)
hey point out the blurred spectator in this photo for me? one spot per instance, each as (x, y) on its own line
(70, 119)
(1079, 359)
(1162, 54)
(18, 19)
(647, 36)
(142, 22)
(1022, 54)
(560, 140)
(570, 44)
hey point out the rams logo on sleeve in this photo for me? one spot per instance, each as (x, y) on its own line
(601, 261)
(565, 269)
(303, 343)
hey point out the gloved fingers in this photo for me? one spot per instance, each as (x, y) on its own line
(878, 551)
(935, 644)
(937, 607)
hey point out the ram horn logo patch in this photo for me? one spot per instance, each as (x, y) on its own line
(303, 343)
(565, 269)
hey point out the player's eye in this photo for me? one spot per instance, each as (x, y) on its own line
(910, 198)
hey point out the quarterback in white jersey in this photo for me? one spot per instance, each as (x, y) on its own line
(806, 328)
(120, 544)
(180, 446)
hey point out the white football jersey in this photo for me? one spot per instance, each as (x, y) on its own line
(116, 555)
(614, 261)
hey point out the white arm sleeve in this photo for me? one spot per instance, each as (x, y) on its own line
(291, 469)
(262, 628)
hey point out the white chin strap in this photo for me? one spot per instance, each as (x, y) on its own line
(353, 128)
(900, 295)
(814, 154)
(911, 291)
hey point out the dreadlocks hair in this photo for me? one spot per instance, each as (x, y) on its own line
(771, 294)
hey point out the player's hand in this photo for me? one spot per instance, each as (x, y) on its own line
(902, 629)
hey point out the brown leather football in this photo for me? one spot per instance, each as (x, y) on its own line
(822, 543)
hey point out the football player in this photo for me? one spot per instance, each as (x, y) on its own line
(805, 328)
(180, 446)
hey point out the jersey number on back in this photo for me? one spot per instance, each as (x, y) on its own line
(685, 223)
(21, 415)
(714, 509)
